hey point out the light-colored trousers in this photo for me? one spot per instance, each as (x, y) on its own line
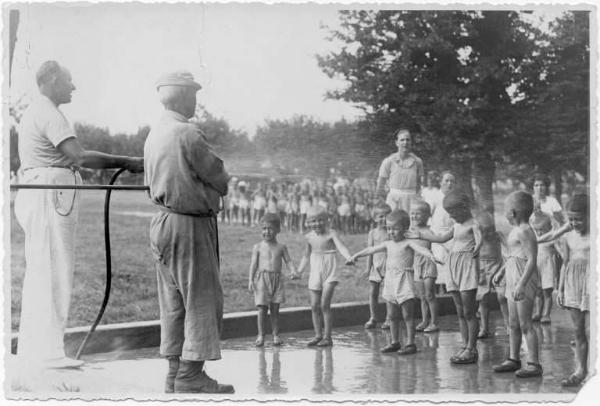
(49, 219)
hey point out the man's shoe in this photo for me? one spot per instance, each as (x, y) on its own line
(171, 374)
(191, 378)
(63, 362)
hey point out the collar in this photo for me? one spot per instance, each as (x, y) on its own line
(173, 115)
(408, 161)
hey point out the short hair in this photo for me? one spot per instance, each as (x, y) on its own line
(541, 177)
(402, 130)
(271, 219)
(485, 220)
(521, 202)
(47, 71)
(422, 205)
(170, 94)
(398, 217)
(444, 173)
(456, 199)
(539, 219)
(579, 203)
(316, 211)
(382, 208)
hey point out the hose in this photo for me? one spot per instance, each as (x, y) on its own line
(108, 265)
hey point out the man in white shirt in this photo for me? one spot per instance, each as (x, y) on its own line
(50, 154)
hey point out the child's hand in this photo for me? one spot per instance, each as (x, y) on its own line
(496, 279)
(351, 260)
(560, 299)
(251, 286)
(412, 234)
(482, 278)
(295, 276)
(519, 293)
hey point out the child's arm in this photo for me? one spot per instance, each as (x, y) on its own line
(370, 243)
(367, 251)
(423, 251)
(529, 244)
(554, 234)
(253, 268)
(498, 275)
(305, 259)
(340, 246)
(477, 235)
(430, 236)
(560, 298)
(289, 263)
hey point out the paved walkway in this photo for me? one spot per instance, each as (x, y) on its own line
(353, 368)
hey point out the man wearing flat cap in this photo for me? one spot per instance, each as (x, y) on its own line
(186, 181)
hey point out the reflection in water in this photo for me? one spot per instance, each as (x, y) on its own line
(272, 384)
(323, 371)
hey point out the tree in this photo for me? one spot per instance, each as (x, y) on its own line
(446, 75)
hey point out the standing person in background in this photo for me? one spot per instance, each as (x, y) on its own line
(432, 193)
(186, 181)
(544, 202)
(51, 154)
(403, 172)
(440, 223)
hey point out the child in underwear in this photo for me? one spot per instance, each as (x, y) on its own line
(398, 285)
(522, 284)
(463, 269)
(573, 290)
(265, 277)
(491, 265)
(425, 269)
(547, 265)
(376, 264)
(322, 245)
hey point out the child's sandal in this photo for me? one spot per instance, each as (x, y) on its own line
(420, 327)
(508, 365)
(326, 342)
(432, 328)
(260, 341)
(531, 370)
(314, 341)
(372, 323)
(277, 341)
(408, 349)
(385, 325)
(393, 347)
(572, 380)
(458, 354)
(464, 358)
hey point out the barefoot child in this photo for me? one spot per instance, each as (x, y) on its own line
(573, 293)
(491, 272)
(376, 263)
(425, 269)
(522, 283)
(322, 244)
(463, 269)
(398, 285)
(265, 278)
(547, 265)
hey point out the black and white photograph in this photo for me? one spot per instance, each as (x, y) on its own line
(300, 201)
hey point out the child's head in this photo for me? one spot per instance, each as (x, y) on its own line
(419, 213)
(540, 222)
(486, 222)
(458, 205)
(433, 179)
(578, 212)
(270, 225)
(380, 212)
(447, 182)
(397, 222)
(518, 207)
(316, 218)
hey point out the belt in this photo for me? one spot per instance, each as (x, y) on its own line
(210, 213)
(73, 168)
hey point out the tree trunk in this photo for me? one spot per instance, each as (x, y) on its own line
(483, 174)
(557, 178)
(463, 174)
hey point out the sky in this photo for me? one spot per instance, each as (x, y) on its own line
(255, 61)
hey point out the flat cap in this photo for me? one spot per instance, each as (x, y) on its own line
(178, 78)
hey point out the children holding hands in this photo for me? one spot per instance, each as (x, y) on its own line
(265, 277)
(398, 285)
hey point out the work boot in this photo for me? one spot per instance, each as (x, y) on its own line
(173, 368)
(191, 378)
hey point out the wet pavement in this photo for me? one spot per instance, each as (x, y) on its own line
(351, 369)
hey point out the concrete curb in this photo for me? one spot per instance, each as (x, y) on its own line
(143, 334)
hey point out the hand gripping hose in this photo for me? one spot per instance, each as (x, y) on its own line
(108, 265)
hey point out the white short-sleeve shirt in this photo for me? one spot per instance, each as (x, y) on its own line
(550, 206)
(43, 127)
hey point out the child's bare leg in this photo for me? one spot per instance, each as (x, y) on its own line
(462, 324)
(431, 300)
(373, 299)
(503, 309)
(420, 289)
(581, 342)
(547, 303)
(408, 311)
(515, 333)
(395, 323)
(274, 309)
(484, 312)
(328, 290)
(469, 304)
(261, 321)
(317, 315)
(537, 306)
(525, 311)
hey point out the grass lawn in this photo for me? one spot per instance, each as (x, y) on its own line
(133, 294)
